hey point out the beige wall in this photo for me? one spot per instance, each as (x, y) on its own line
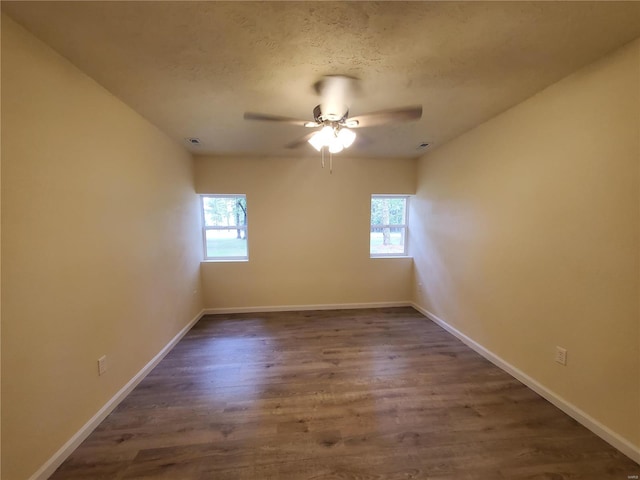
(308, 232)
(526, 236)
(100, 248)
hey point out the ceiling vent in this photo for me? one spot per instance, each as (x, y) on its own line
(422, 146)
(193, 141)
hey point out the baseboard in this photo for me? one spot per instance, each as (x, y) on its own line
(608, 435)
(293, 308)
(67, 449)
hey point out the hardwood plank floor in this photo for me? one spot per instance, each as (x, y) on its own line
(342, 394)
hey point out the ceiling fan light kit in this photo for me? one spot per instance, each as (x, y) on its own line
(333, 137)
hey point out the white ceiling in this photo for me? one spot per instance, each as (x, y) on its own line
(194, 68)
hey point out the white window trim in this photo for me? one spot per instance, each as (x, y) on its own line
(404, 226)
(205, 228)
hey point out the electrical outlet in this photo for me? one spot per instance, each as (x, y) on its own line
(102, 365)
(561, 355)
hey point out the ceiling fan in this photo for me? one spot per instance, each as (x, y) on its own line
(332, 116)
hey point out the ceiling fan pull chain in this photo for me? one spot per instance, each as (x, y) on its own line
(330, 162)
(322, 150)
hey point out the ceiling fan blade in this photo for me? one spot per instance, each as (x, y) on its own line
(300, 141)
(383, 117)
(362, 140)
(275, 118)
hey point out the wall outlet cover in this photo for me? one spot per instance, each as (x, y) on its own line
(102, 365)
(561, 355)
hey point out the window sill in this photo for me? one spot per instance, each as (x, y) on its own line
(390, 256)
(225, 260)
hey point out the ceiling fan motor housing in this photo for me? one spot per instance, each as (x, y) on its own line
(330, 117)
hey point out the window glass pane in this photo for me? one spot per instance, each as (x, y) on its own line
(388, 211)
(387, 241)
(388, 225)
(228, 242)
(224, 211)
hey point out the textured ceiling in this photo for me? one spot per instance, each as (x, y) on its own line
(194, 68)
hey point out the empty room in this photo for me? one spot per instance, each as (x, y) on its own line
(320, 240)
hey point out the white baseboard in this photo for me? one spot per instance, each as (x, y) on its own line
(630, 450)
(294, 308)
(50, 466)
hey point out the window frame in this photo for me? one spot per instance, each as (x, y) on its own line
(405, 226)
(205, 228)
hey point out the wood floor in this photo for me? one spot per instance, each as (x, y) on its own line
(343, 394)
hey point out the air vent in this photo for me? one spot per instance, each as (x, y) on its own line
(193, 141)
(422, 146)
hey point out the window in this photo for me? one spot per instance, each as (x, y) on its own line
(388, 225)
(224, 227)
